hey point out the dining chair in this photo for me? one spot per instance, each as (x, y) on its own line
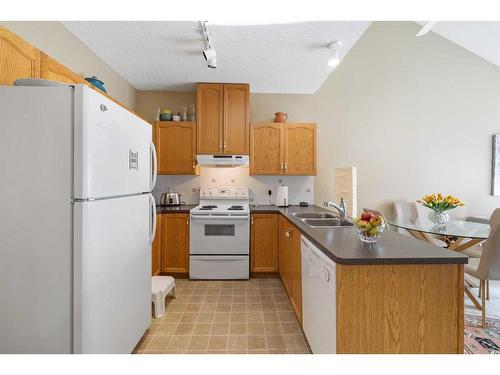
(487, 267)
(476, 251)
(409, 210)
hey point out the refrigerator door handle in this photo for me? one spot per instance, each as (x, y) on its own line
(153, 218)
(154, 171)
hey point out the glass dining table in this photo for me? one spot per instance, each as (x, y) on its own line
(457, 235)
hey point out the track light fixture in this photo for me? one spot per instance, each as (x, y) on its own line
(334, 59)
(209, 52)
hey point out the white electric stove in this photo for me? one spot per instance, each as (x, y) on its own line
(220, 234)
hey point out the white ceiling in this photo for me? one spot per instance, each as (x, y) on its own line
(166, 55)
(479, 37)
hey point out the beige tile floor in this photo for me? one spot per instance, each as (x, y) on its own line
(250, 316)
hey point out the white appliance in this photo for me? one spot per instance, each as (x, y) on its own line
(222, 160)
(77, 221)
(318, 299)
(220, 234)
(282, 196)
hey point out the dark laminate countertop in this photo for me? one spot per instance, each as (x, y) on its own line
(183, 208)
(344, 247)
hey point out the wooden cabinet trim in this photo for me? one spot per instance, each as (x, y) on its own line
(25, 49)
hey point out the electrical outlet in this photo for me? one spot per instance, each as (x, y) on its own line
(308, 190)
(280, 181)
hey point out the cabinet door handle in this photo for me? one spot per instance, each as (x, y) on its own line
(286, 166)
(281, 166)
(187, 221)
(252, 220)
(225, 146)
(220, 146)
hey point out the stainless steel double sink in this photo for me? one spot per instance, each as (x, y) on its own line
(322, 220)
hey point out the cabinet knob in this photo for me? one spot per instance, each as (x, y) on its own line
(286, 166)
(220, 146)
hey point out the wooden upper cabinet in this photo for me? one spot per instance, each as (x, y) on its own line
(156, 248)
(53, 70)
(18, 59)
(266, 149)
(236, 119)
(175, 147)
(223, 125)
(264, 243)
(175, 243)
(300, 149)
(209, 122)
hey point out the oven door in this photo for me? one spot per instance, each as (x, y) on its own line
(219, 235)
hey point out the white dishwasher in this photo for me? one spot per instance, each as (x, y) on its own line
(318, 299)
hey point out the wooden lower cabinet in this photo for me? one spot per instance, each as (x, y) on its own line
(290, 266)
(264, 244)
(156, 249)
(400, 308)
(175, 243)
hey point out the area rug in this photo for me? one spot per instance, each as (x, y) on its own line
(480, 340)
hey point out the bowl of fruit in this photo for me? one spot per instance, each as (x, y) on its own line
(369, 226)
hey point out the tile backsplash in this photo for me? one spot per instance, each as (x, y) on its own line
(300, 188)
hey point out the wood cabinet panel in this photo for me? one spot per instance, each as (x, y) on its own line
(18, 59)
(156, 248)
(175, 243)
(300, 149)
(290, 264)
(264, 243)
(266, 149)
(414, 308)
(210, 103)
(175, 146)
(236, 119)
(283, 258)
(53, 70)
(296, 273)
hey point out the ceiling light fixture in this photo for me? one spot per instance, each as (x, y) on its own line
(426, 28)
(209, 52)
(334, 59)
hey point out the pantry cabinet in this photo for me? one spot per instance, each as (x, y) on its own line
(18, 59)
(223, 114)
(264, 244)
(156, 248)
(175, 243)
(277, 148)
(290, 266)
(175, 147)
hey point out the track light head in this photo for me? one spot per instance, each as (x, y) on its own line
(334, 59)
(211, 57)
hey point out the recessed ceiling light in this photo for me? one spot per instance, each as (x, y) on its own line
(334, 59)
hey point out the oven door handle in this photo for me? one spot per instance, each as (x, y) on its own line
(207, 217)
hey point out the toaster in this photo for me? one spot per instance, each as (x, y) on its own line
(170, 199)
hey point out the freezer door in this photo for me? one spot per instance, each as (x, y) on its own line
(113, 149)
(112, 305)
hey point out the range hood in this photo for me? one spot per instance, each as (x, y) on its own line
(222, 160)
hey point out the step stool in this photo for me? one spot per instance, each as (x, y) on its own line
(161, 286)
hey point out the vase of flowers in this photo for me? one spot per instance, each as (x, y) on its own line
(369, 226)
(439, 206)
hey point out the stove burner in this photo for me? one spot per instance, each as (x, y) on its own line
(209, 207)
(235, 208)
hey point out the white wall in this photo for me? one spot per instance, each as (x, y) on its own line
(414, 115)
(59, 43)
(299, 188)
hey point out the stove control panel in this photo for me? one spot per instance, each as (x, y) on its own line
(224, 192)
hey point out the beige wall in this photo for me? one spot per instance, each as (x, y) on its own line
(55, 40)
(414, 115)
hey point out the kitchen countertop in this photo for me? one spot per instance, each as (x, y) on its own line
(183, 208)
(343, 246)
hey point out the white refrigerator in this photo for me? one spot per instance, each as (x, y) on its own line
(76, 222)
